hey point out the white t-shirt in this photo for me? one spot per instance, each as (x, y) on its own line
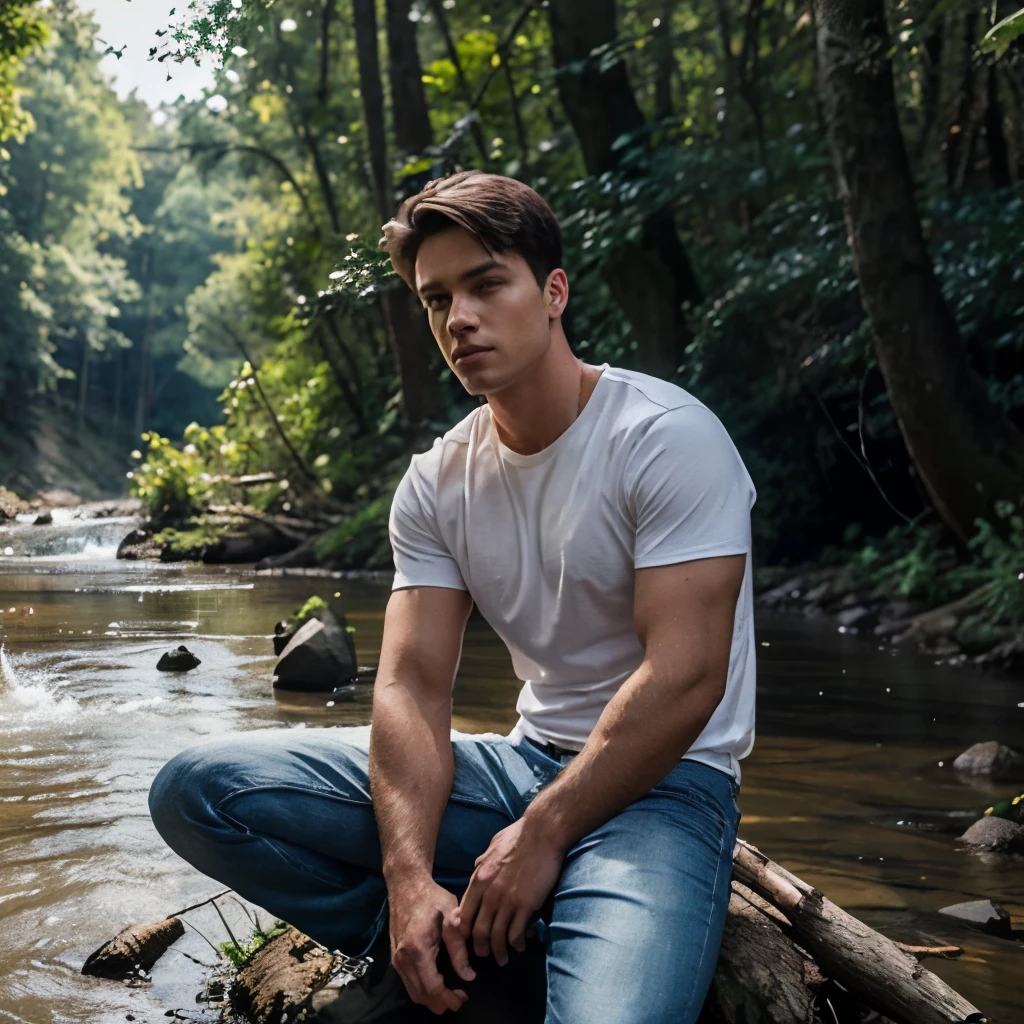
(547, 545)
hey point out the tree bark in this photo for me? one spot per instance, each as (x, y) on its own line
(664, 63)
(83, 385)
(364, 17)
(995, 138)
(408, 335)
(967, 453)
(960, 138)
(872, 967)
(761, 975)
(652, 279)
(413, 133)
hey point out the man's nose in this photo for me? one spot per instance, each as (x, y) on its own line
(461, 317)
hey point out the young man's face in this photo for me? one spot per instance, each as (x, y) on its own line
(491, 320)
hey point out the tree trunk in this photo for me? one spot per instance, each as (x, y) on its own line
(413, 133)
(408, 335)
(995, 138)
(83, 386)
(960, 139)
(931, 91)
(664, 63)
(651, 279)
(118, 375)
(879, 972)
(966, 451)
(364, 17)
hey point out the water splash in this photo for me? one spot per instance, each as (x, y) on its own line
(29, 702)
(7, 677)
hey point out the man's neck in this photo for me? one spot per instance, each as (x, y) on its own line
(534, 411)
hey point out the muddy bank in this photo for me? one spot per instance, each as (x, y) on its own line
(954, 633)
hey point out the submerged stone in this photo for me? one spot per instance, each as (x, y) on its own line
(983, 914)
(990, 758)
(996, 834)
(179, 660)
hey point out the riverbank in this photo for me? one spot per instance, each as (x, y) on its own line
(954, 633)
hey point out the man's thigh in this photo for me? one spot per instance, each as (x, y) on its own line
(310, 789)
(640, 906)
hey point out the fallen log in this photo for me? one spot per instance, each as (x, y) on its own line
(762, 975)
(278, 984)
(133, 950)
(875, 969)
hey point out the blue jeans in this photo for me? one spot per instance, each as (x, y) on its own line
(284, 818)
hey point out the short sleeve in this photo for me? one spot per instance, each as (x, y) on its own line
(421, 557)
(689, 491)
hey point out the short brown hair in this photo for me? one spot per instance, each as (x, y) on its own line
(504, 214)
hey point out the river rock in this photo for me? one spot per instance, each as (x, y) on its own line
(996, 834)
(990, 758)
(179, 660)
(43, 519)
(319, 658)
(858, 618)
(133, 950)
(138, 546)
(283, 634)
(278, 984)
(983, 914)
(783, 593)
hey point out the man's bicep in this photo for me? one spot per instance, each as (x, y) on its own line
(422, 643)
(684, 613)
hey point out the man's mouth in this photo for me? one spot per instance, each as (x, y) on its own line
(466, 353)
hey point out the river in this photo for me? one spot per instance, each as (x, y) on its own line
(849, 784)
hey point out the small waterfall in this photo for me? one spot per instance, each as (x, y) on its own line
(7, 680)
(66, 537)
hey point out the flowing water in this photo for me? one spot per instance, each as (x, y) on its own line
(849, 784)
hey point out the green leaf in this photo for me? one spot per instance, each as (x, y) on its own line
(998, 38)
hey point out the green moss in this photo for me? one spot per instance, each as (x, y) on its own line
(311, 607)
(361, 541)
(239, 954)
(191, 542)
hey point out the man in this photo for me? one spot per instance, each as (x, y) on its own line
(600, 520)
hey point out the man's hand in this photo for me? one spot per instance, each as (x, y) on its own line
(421, 919)
(512, 879)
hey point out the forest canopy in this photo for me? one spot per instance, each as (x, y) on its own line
(809, 214)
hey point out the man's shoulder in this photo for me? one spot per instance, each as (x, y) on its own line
(638, 401)
(428, 464)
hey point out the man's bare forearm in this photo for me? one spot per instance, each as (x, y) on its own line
(411, 771)
(641, 735)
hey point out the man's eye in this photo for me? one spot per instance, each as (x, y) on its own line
(436, 301)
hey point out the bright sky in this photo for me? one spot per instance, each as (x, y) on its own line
(135, 22)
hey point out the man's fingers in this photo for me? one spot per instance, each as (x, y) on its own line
(458, 952)
(499, 933)
(517, 929)
(469, 905)
(482, 928)
(438, 997)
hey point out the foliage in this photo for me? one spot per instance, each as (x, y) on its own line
(221, 267)
(361, 541)
(998, 38)
(238, 954)
(176, 484)
(21, 32)
(311, 607)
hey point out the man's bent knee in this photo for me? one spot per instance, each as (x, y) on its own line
(185, 792)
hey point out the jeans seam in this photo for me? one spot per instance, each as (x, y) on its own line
(711, 914)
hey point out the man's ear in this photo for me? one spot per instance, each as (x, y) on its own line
(556, 293)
